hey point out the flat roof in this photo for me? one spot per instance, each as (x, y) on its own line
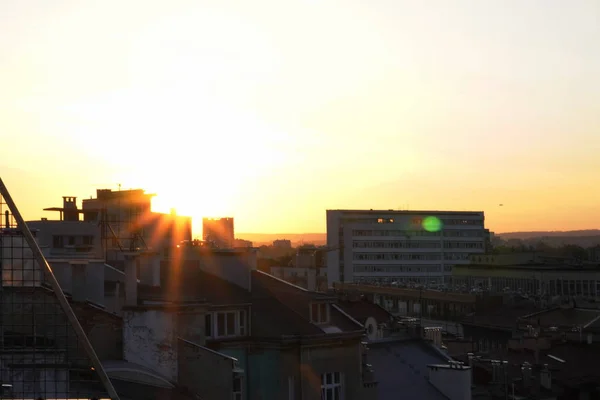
(409, 212)
(78, 210)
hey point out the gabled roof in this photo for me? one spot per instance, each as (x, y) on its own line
(285, 308)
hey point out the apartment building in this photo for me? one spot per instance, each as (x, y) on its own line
(219, 232)
(401, 246)
(288, 342)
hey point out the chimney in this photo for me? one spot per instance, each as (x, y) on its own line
(526, 372)
(546, 377)
(71, 213)
(131, 279)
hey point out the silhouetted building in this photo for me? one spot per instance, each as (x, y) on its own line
(282, 244)
(242, 243)
(127, 223)
(219, 231)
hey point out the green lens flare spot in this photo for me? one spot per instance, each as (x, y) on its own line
(432, 224)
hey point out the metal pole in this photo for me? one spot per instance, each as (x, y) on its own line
(64, 303)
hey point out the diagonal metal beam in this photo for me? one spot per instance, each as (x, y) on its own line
(64, 303)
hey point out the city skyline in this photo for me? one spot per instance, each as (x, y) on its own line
(273, 113)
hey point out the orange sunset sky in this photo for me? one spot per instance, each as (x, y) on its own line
(273, 111)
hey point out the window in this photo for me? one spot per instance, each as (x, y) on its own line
(57, 242)
(208, 324)
(88, 240)
(237, 387)
(319, 313)
(225, 324)
(71, 240)
(331, 386)
(291, 392)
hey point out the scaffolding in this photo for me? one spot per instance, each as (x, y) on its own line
(44, 351)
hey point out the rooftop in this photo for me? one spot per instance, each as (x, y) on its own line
(401, 367)
(194, 285)
(409, 212)
(362, 309)
(278, 307)
(571, 317)
(504, 317)
(571, 364)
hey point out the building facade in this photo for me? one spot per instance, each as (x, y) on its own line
(545, 280)
(287, 342)
(401, 246)
(219, 232)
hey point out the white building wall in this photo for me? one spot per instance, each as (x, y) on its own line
(77, 230)
(393, 245)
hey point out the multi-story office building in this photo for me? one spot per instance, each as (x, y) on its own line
(401, 246)
(219, 232)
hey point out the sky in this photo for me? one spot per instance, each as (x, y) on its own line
(273, 111)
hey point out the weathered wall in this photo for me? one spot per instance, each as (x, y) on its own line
(191, 326)
(204, 371)
(268, 370)
(342, 358)
(150, 339)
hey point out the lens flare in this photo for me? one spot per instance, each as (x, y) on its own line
(432, 224)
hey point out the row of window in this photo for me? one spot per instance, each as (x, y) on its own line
(478, 233)
(389, 244)
(409, 256)
(224, 324)
(396, 256)
(470, 222)
(463, 245)
(60, 241)
(405, 279)
(394, 232)
(398, 268)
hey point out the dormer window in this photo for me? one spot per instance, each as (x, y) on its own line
(319, 313)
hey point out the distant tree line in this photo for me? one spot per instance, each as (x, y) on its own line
(570, 251)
